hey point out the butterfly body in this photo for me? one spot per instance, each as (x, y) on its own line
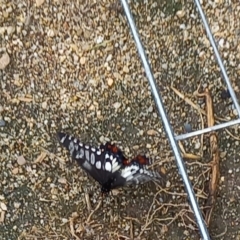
(107, 164)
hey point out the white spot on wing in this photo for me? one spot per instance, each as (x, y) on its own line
(92, 158)
(71, 148)
(108, 166)
(99, 152)
(86, 146)
(76, 147)
(116, 168)
(63, 139)
(131, 173)
(126, 172)
(115, 165)
(75, 140)
(114, 161)
(80, 154)
(98, 165)
(87, 165)
(93, 149)
(87, 155)
(134, 169)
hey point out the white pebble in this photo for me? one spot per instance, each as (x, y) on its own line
(3, 206)
(21, 160)
(117, 105)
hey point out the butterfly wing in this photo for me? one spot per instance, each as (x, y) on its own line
(107, 164)
(136, 172)
(100, 163)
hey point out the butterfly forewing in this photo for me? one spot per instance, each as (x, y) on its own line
(100, 163)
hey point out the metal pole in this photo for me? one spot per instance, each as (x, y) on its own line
(219, 60)
(158, 100)
(206, 130)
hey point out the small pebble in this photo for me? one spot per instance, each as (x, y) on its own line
(4, 61)
(225, 94)
(62, 180)
(21, 160)
(152, 132)
(221, 42)
(64, 220)
(197, 145)
(17, 204)
(180, 13)
(125, 69)
(149, 146)
(3, 206)
(150, 109)
(39, 2)
(235, 112)
(188, 127)
(141, 132)
(2, 123)
(82, 60)
(117, 105)
(44, 105)
(168, 184)
(223, 154)
(15, 171)
(109, 58)
(99, 39)
(110, 82)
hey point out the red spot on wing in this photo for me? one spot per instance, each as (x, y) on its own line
(113, 148)
(141, 160)
(125, 161)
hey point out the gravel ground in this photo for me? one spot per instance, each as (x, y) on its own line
(73, 66)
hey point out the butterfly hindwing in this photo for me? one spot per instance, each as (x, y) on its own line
(136, 172)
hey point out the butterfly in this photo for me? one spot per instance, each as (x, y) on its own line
(107, 164)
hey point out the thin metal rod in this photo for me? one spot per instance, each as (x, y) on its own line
(162, 112)
(206, 130)
(219, 60)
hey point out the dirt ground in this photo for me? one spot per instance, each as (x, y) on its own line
(73, 66)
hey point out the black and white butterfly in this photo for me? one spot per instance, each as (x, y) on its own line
(107, 164)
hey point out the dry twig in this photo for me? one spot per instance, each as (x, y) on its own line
(188, 155)
(72, 226)
(215, 155)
